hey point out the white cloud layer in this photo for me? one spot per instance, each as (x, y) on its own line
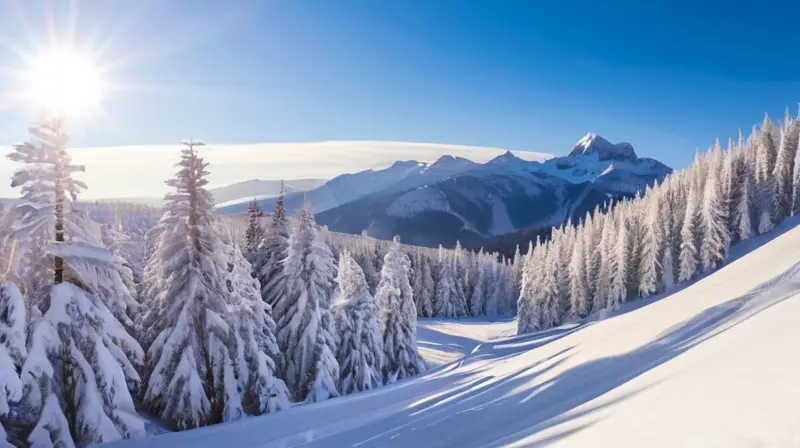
(140, 171)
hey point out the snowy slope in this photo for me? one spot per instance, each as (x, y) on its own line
(711, 365)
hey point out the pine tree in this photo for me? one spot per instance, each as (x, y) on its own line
(744, 226)
(578, 290)
(444, 304)
(303, 320)
(649, 268)
(618, 290)
(782, 174)
(714, 248)
(208, 332)
(255, 232)
(360, 349)
(766, 154)
(81, 361)
(607, 263)
(271, 253)
(478, 300)
(12, 349)
(529, 305)
(427, 288)
(398, 318)
(689, 253)
(252, 322)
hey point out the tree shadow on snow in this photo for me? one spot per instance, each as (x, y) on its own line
(498, 408)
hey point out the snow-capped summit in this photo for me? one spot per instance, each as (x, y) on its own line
(508, 158)
(592, 143)
(448, 162)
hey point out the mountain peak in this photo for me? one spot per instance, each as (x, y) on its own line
(506, 158)
(592, 143)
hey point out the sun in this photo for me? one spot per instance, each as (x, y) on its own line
(65, 82)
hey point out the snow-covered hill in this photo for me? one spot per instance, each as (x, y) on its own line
(470, 202)
(711, 365)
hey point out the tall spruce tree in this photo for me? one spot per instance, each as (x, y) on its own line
(360, 350)
(398, 318)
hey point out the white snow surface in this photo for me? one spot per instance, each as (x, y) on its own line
(712, 364)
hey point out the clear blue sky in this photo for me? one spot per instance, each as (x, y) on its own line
(667, 76)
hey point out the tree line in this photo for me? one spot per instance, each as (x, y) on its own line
(672, 233)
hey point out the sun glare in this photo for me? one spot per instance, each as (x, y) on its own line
(66, 83)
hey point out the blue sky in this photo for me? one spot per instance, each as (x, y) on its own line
(668, 76)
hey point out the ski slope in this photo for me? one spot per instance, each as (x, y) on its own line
(714, 364)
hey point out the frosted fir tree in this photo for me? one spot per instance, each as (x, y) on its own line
(304, 323)
(360, 348)
(254, 328)
(607, 263)
(668, 274)
(398, 318)
(766, 153)
(618, 290)
(650, 266)
(716, 241)
(81, 360)
(529, 303)
(744, 207)
(443, 301)
(478, 300)
(516, 272)
(271, 253)
(254, 233)
(689, 255)
(782, 174)
(580, 304)
(202, 323)
(548, 289)
(426, 288)
(12, 351)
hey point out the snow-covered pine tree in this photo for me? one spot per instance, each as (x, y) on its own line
(304, 323)
(427, 288)
(607, 263)
(548, 289)
(398, 318)
(254, 233)
(782, 174)
(81, 360)
(206, 330)
(528, 305)
(360, 350)
(745, 207)
(443, 301)
(716, 241)
(252, 324)
(271, 253)
(618, 290)
(689, 255)
(766, 154)
(477, 302)
(580, 305)
(12, 353)
(653, 240)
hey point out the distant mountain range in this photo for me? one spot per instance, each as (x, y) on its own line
(457, 199)
(237, 195)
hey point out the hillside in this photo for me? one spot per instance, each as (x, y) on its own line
(711, 364)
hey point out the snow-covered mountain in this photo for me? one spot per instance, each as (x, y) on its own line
(400, 176)
(710, 364)
(471, 202)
